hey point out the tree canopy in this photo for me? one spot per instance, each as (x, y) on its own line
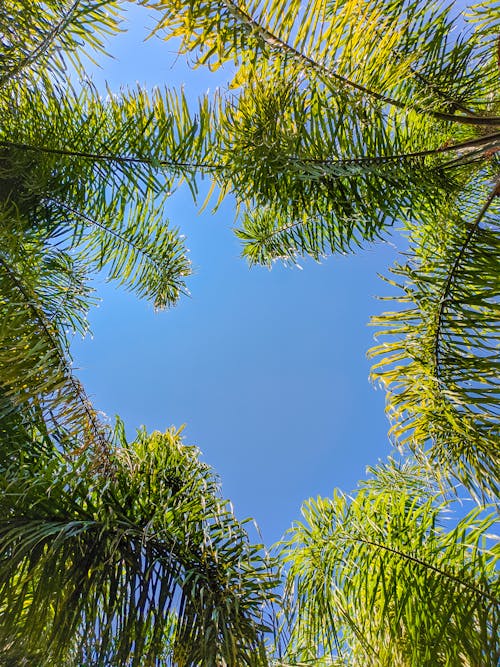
(342, 119)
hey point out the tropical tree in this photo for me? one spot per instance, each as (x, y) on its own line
(131, 558)
(325, 141)
(379, 579)
(344, 117)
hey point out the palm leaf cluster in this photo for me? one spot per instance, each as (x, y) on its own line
(378, 579)
(342, 118)
(40, 41)
(320, 142)
(132, 559)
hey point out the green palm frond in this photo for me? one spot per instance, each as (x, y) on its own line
(396, 54)
(83, 186)
(376, 579)
(338, 123)
(43, 292)
(38, 40)
(438, 357)
(100, 171)
(115, 566)
(315, 180)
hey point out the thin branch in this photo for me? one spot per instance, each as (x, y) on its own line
(274, 41)
(495, 192)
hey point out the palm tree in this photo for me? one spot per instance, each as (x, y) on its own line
(325, 141)
(343, 118)
(379, 579)
(129, 558)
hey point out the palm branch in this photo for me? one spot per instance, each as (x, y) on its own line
(376, 579)
(39, 40)
(132, 559)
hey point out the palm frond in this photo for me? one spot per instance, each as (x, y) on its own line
(98, 173)
(396, 55)
(116, 566)
(39, 39)
(42, 293)
(315, 175)
(439, 355)
(339, 122)
(376, 580)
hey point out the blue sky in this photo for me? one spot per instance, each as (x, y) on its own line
(267, 369)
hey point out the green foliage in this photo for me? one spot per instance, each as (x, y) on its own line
(92, 169)
(327, 140)
(376, 579)
(343, 118)
(349, 117)
(40, 39)
(127, 557)
(83, 186)
(439, 355)
(398, 54)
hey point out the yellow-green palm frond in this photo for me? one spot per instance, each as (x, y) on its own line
(438, 357)
(377, 579)
(43, 293)
(40, 39)
(99, 171)
(398, 54)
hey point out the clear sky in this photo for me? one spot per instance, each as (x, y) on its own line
(267, 369)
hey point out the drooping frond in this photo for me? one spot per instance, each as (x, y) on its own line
(99, 172)
(39, 39)
(142, 563)
(43, 292)
(83, 186)
(439, 353)
(377, 580)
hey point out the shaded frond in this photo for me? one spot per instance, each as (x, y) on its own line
(42, 293)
